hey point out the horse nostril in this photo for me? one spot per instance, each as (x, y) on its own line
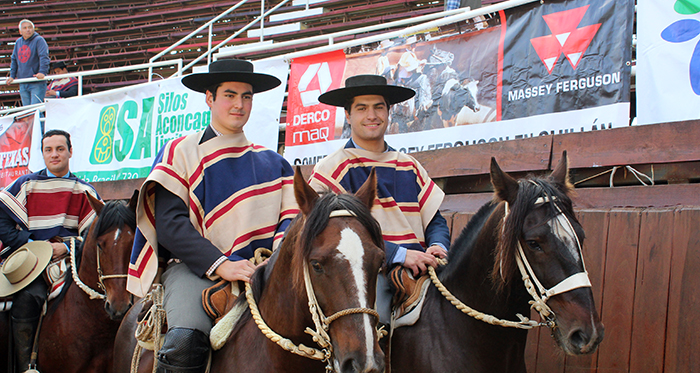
(579, 339)
(350, 366)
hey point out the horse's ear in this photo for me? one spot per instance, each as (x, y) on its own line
(505, 187)
(305, 195)
(368, 191)
(560, 175)
(134, 201)
(95, 203)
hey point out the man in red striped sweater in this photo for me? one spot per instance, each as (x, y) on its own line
(47, 205)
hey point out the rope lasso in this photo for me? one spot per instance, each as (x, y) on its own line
(524, 322)
(149, 329)
(74, 272)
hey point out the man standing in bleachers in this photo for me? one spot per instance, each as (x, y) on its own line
(64, 87)
(30, 58)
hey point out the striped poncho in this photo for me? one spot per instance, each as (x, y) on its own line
(408, 198)
(240, 197)
(47, 206)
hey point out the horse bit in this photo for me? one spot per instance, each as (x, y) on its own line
(321, 322)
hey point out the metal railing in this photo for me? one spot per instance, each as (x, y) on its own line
(81, 74)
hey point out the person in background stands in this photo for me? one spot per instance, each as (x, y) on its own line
(64, 87)
(30, 58)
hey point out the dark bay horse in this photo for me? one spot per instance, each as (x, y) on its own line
(332, 251)
(484, 274)
(77, 332)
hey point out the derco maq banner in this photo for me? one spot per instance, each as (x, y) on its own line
(539, 69)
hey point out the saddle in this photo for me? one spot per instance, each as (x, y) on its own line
(218, 299)
(407, 290)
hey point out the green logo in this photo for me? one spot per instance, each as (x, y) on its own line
(104, 138)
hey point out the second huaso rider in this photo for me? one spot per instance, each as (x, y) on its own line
(211, 199)
(414, 231)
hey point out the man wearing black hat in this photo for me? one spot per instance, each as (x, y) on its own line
(64, 87)
(414, 231)
(211, 199)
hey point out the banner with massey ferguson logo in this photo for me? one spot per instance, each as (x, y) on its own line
(557, 67)
(668, 61)
(16, 146)
(117, 135)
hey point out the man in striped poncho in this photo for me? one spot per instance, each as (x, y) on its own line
(413, 229)
(46, 205)
(211, 199)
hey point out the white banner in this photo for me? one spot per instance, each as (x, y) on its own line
(117, 134)
(668, 62)
(605, 117)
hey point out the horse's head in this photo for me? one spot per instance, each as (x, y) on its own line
(541, 231)
(340, 253)
(109, 242)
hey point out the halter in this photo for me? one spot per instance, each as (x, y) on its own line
(100, 277)
(321, 322)
(539, 293)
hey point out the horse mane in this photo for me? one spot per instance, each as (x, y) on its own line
(463, 246)
(114, 214)
(317, 221)
(529, 190)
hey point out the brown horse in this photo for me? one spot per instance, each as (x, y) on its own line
(77, 332)
(334, 246)
(484, 274)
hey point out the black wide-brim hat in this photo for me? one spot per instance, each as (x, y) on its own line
(230, 71)
(57, 65)
(360, 85)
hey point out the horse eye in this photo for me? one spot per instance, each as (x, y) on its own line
(532, 244)
(316, 266)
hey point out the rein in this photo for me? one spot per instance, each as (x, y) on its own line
(74, 272)
(321, 322)
(539, 294)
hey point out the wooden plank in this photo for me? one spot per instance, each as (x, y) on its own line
(638, 196)
(465, 202)
(658, 143)
(682, 337)
(120, 189)
(459, 221)
(618, 290)
(595, 223)
(651, 291)
(520, 155)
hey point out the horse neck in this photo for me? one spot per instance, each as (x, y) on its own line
(474, 285)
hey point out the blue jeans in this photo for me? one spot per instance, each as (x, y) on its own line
(32, 93)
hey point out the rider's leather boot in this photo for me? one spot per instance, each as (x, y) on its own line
(184, 351)
(23, 331)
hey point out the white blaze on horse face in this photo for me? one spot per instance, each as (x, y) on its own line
(351, 249)
(562, 229)
(116, 234)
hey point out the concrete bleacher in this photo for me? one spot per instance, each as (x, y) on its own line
(97, 34)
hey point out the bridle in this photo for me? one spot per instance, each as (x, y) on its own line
(534, 287)
(539, 293)
(321, 322)
(100, 276)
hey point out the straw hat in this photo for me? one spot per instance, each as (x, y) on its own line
(360, 85)
(24, 266)
(230, 71)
